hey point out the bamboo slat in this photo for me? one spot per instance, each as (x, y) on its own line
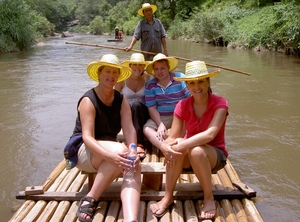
(231, 172)
(113, 211)
(61, 211)
(190, 211)
(23, 211)
(47, 213)
(101, 211)
(53, 175)
(251, 210)
(239, 210)
(177, 211)
(35, 211)
(228, 210)
(150, 216)
(71, 215)
(142, 211)
(219, 213)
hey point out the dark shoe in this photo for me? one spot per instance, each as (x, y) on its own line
(88, 209)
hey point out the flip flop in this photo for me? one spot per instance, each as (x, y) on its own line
(141, 152)
(208, 218)
(165, 210)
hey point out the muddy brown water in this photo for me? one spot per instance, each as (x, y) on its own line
(39, 90)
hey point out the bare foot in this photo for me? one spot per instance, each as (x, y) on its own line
(160, 208)
(208, 211)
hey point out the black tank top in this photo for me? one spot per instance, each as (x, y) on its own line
(108, 118)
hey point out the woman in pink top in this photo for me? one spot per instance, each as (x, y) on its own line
(203, 149)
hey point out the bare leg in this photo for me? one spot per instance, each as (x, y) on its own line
(150, 133)
(172, 175)
(130, 195)
(203, 159)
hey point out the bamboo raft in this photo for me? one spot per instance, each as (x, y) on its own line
(62, 190)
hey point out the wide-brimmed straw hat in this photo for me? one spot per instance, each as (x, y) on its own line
(173, 62)
(111, 61)
(145, 6)
(136, 58)
(196, 70)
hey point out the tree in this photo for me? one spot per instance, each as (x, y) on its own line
(16, 27)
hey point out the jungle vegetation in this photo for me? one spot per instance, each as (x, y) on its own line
(253, 24)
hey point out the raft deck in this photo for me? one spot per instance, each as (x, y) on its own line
(63, 189)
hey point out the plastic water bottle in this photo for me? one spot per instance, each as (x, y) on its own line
(128, 174)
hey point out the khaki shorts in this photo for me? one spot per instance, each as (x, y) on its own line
(84, 160)
(167, 121)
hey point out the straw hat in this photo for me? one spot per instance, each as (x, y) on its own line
(145, 6)
(196, 70)
(111, 61)
(136, 58)
(173, 62)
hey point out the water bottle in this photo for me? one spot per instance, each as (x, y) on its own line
(128, 174)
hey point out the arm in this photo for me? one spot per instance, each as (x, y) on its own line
(206, 136)
(126, 123)
(164, 44)
(87, 116)
(133, 41)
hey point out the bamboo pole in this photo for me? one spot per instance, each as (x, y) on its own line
(152, 53)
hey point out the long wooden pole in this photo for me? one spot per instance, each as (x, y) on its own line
(151, 53)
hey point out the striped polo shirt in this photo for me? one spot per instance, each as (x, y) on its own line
(165, 99)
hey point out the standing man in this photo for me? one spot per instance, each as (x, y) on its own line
(116, 32)
(151, 32)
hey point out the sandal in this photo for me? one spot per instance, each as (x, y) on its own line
(88, 209)
(207, 211)
(165, 210)
(141, 152)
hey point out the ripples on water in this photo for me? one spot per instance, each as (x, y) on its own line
(39, 91)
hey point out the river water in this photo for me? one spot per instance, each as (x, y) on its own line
(39, 91)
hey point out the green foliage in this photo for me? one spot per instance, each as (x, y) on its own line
(96, 25)
(247, 23)
(87, 10)
(16, 27)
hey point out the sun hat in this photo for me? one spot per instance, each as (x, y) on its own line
(173, 62)
(135, 58)
(146, 5)
(196, 70)
(111, 61)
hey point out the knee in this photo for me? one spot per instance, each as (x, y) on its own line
(121, 147)
(197, 152)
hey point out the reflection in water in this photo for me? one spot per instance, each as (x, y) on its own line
(39, 91)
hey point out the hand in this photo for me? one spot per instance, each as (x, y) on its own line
(166, 52)
(128, 49)
(162, 132)
(170, 155)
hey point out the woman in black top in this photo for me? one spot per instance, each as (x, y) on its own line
(102, 112)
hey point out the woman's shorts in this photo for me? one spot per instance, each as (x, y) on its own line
(167, 121)
(221, 162)
(84, 160)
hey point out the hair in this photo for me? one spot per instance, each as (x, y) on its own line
(100, 69)
(163, 60)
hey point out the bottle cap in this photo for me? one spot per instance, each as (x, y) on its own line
(133, 145)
